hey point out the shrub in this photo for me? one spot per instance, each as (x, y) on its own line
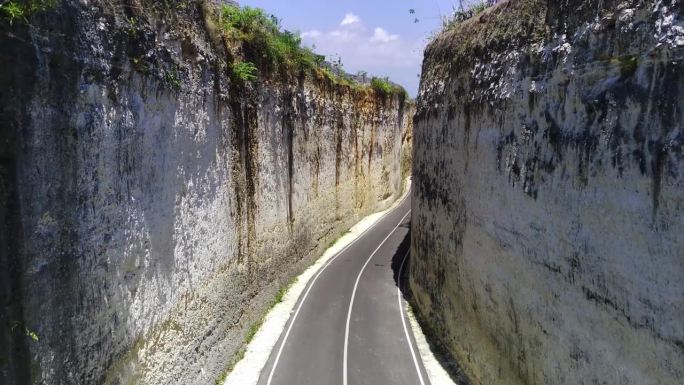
(382, 85)
(262, 35)
(463, 14)
(478, 8)
(16, 10)
(385, 87)
(245, 71)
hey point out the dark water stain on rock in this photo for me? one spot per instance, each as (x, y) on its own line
(245, 168)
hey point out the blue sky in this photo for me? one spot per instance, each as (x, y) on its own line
(377, 36)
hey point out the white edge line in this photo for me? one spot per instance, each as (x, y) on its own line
(403, 320)
(311, 285)
(351, 302)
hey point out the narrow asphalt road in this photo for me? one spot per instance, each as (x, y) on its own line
(350, 327)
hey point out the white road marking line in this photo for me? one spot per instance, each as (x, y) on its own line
(351, 302)
(403, 319)
(311, 285)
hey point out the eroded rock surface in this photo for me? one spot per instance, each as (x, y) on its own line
(548, 193)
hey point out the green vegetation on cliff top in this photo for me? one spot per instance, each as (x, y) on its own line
(384, 86)
(263, 36)
(269, 49)
(481, 30)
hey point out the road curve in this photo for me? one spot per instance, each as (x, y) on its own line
(349, 327)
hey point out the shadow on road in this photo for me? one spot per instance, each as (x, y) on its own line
(399, 255)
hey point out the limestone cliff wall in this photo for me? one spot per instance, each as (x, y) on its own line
(150, 207)
(548, 201)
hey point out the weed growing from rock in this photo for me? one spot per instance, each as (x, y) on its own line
(20, 11)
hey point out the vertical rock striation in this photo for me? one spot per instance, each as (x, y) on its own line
(547, 242)
(150, 207)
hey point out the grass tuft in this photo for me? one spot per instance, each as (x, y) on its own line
(172, 79)
(279, 296)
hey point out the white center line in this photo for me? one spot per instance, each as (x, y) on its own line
(351, 302)
(311, 285)
(403, 319)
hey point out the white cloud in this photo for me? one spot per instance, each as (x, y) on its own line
(374, 50)
(350, 19)
(382, 36)
(365, 50)
(342, 36)
(313, 34)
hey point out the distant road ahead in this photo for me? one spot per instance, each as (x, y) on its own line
(350, 327)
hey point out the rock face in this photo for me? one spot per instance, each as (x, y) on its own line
(547, 243)
(150, 207)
